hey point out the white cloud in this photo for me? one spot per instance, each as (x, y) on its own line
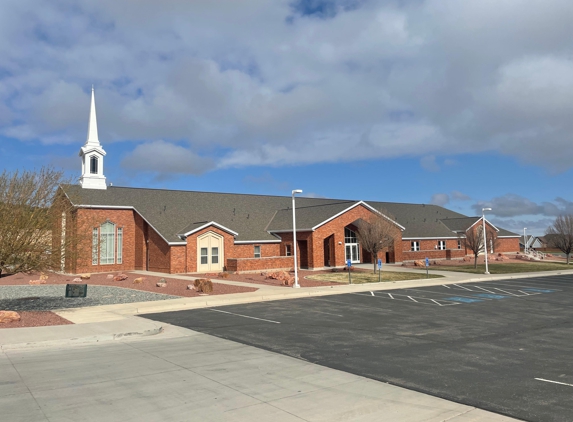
(511, 205)
(440, 199)
(258, 83)
(163, 157)
(459, 196)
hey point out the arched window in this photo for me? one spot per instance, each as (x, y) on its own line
(107, 243)
(106, 240)
(93, 164)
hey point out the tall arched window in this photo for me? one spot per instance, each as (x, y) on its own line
(106, 240)
(93, 164)
(107, 243)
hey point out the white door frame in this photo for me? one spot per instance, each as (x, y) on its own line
(212, 242)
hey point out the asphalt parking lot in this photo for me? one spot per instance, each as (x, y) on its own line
(504, 346)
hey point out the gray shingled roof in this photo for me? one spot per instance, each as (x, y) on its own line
(173, 212)
(460, 224)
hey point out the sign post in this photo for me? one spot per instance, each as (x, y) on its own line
(349, 264)
(427, 265)
(379, 268)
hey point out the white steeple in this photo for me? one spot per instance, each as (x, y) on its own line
(92, 155)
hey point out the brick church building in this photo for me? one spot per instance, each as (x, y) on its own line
(122, 228)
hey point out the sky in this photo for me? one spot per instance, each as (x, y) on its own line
(464, 104)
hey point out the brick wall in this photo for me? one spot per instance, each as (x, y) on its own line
(248, 250)
(178, 255)
(87, 219)
(256, 264)
(507, 245)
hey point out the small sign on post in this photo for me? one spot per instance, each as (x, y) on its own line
(379, 269)
(349, 264)
(427, 265)
(76, 290)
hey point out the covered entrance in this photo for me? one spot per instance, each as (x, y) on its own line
(351, 245)
(210, 253)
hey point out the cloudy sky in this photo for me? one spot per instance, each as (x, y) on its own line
(464, 104)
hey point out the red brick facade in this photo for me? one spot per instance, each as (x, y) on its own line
(144, 249)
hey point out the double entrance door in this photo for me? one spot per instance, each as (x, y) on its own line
(352, 247)
(210, 253)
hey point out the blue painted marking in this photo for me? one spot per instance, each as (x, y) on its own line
(463, 299)
(490, 296)
(539, 290)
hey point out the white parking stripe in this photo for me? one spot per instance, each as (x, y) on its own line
(554, 382)
(244, 316)
(461, 287)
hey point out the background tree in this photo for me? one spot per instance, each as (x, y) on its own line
(27, 217)
(560, 234)
(473, 240)
(375, 234)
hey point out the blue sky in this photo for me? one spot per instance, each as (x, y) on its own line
(461, 104)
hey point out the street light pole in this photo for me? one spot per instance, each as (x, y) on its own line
(483, 210)
(295, 285)
(524, 241)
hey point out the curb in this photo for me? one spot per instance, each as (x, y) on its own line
(81, 340)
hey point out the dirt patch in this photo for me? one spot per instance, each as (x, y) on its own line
(36, 319)
(175, 286)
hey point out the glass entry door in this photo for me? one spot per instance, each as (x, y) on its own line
(351, 246)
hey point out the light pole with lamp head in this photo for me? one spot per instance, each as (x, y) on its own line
(483, 210)
(524, 241)
(295, 285)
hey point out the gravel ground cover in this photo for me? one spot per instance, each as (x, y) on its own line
(175, 286)
(36, 319)
(51, 297)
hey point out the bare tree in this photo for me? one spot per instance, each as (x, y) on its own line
(473, 240)
(27, 217)
(560, 234)
(375, 234)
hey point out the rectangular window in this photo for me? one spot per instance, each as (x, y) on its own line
(414, 246)
(119, 245)
(94, 246)
(204, 256)
(459, 244)
(442, 245)
(257, 251)
(214, 255)
(287, 250)
(107, 244)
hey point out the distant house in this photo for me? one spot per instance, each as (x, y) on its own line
(187, 231)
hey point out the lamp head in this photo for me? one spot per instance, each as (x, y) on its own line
(485, 209)
(294, 192)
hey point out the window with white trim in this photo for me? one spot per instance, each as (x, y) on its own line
(459, 244)
(414, 245)
(257, 251)
(93, 164)
(288, 250)
(442, 245)
(107, 244)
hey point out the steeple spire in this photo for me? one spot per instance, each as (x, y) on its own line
(92, 155)
(93, 139)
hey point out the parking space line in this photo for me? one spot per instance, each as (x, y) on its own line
(349, 304)
(320, 312)
(244, 316)
(514, 286)
(461, 287)
(414, 299)
(554, 382)
(443, 293)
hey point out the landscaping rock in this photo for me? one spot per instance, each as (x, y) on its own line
(139, 280)
(161, 284)
(110, 276)
(120, 277)
(9, 316)
(223, 275)
(203, 285)
(288, 282)
(419, 263)
(77, 280)
(85, 276)
(43, 276)
(37, 282)
(190, 287)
